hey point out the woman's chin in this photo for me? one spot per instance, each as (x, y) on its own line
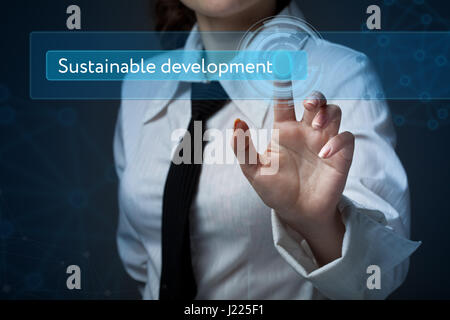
(219, 8)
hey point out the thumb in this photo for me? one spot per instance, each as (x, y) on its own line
(244, 148)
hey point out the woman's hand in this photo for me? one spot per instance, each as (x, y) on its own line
(313, 164)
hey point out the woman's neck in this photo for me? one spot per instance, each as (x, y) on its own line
(241, 21)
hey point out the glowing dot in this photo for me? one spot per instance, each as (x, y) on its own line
(432, 124)
(383, 41)
(425, 97)
(426, 19)
(441, 61)
(78, 199)
(405, 80)
(442, 113)
(419, 55)
(399, 120)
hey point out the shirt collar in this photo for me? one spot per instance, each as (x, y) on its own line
(254, 110)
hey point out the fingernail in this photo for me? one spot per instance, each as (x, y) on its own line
(236, 122)
(320, 120)
(325, 152)
(311, 102)
(311, 99)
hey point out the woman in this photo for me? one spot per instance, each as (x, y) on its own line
(337, 205)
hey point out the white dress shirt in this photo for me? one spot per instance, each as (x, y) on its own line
(240, 249)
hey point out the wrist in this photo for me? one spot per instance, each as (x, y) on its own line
(315, 224)
(323, 234)
(329, 226)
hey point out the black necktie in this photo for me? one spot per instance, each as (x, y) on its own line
(177, 277)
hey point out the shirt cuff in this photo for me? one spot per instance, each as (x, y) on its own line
(367, 241)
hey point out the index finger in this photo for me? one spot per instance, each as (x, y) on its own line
(312, 105)
(283, 102)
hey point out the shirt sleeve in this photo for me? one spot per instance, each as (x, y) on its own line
(374, 207)
(367, 241)
(130, 247)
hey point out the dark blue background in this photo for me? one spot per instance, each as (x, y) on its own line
(58, 202)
